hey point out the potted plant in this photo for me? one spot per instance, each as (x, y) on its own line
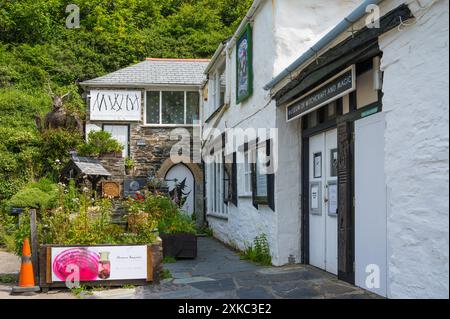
(101, 144)
(129, 165)
(178, 234)
(156, 184)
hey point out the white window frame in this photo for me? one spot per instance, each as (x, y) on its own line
(216, 187)
(161, 124)
(246, 173)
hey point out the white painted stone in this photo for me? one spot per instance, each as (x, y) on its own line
(282, 30)
(415, 65)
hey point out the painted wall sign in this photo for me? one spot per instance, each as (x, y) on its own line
(97, 263)
(115, 105)
(244, 65)
(336, 87)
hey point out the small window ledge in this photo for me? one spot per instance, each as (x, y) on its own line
(217, 216)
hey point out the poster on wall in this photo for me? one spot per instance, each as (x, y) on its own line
(244, 74)
(97, 263)
(115, 105)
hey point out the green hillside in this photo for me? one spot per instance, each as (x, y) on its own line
(39, 54)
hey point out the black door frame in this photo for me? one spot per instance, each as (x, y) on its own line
(346, 235)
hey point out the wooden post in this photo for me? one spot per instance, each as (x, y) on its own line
(34, 243)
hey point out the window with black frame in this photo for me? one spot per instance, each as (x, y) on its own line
(262, 177)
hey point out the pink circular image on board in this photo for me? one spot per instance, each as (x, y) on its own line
(86, 260)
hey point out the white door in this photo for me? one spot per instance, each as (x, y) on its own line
(323, 201)
(370, 205)
(120, 133)
(181, 175)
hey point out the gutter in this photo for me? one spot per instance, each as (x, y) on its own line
(215, 57)
(353, 17)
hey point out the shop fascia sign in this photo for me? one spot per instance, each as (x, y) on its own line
(339, 85)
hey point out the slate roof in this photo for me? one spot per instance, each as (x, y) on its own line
(154, 71)
(86, 165)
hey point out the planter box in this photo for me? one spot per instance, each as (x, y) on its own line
(145, 264)
(179, 245)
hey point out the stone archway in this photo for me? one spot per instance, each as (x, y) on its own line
(194, 168)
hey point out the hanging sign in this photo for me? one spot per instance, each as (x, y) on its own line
(336, 87)
(115, 105)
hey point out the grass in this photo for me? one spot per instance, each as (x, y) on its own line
(258, 252)
(169, 260)
(8, 278)
(165, 274)
(205, 230)
(81, 291)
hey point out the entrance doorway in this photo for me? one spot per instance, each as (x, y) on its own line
(323, 202)
(181, 186)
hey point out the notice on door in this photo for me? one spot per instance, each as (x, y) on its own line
(332, 199)
(314, 202)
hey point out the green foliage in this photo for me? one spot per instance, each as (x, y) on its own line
(41, 195)
(259, 251)
(165, 274)
(169, 260)
(8, 278)
(205, 230)
(38, 51)
(82, 291)
(129, 162)
(164, 211)
(100, 142)
(55, 150)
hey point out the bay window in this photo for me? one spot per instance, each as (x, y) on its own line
(172, 107)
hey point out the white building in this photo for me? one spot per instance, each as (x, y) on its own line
(361, 109)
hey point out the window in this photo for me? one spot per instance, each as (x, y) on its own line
(263, 183)
(121, 134)
(217, 188)
(172, 107)
(216, 89)
(246, 166)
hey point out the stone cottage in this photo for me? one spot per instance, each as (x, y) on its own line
(149, 107)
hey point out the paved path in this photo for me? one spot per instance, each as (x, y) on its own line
(219, 273)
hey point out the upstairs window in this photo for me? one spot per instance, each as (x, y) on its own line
(172, 107)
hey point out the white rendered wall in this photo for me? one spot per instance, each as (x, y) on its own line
(415, 65)
(246, 222)
(300, 24)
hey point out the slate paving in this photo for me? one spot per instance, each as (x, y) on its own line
(218, 273)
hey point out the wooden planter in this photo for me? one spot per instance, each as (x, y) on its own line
(183, 246)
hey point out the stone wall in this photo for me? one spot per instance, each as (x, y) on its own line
(150, 148)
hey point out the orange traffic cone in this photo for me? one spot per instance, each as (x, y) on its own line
(26, 276)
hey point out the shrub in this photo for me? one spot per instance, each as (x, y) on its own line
(56, 145)
(40, 195)
(100, 142)
(259, 252)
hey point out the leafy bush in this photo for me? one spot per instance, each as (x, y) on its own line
(259, 251)
(40, 195)
(55, 148)
(163, 210)
(100, 142)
